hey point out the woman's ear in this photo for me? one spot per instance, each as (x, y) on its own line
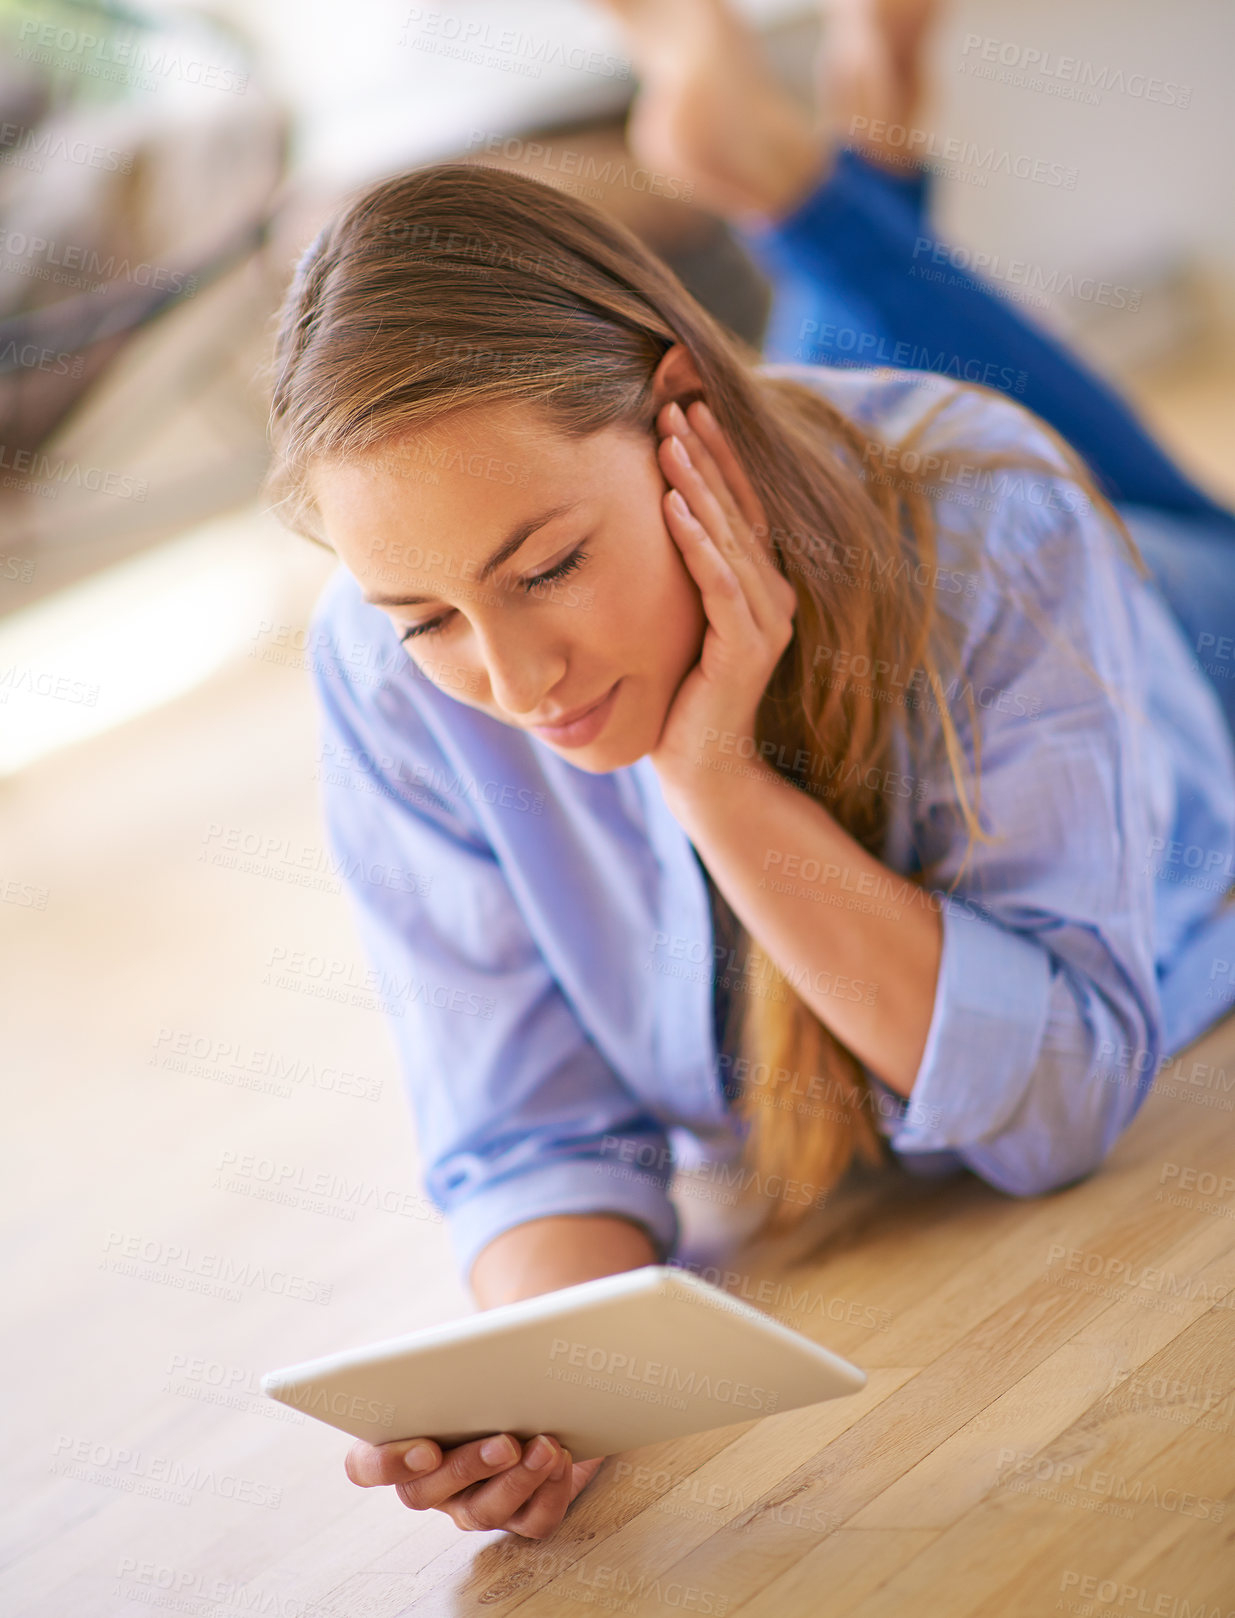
(676, 378)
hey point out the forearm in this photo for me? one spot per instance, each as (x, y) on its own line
(868, 971)
(543, 1255)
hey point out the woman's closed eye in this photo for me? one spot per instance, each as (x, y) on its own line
(568, 565)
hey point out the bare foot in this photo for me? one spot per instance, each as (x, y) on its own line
(871, 73)
(709, 107)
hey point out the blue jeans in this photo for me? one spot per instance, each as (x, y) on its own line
(856, 280)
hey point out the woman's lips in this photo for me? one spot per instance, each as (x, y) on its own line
(579, 732)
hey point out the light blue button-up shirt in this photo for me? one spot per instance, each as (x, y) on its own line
(542, 939)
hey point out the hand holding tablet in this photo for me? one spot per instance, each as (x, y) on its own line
(587, 1371)
(509, 1490)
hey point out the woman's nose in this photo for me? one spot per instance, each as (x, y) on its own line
(521, 673)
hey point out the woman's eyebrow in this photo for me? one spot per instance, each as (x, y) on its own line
(516, 537)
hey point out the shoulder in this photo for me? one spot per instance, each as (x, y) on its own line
(1004, 494)
(929, 411)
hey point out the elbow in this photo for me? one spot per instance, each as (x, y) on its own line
(1040, 1179)
(1062, 1138)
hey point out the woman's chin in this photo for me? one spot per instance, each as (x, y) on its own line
(601, 757)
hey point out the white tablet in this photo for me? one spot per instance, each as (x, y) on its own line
(604, 1366)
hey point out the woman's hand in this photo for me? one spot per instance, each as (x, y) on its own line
(721, 529)
(523, 1489)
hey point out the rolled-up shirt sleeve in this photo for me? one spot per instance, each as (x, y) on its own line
(518, 1114)
(1046, 1027)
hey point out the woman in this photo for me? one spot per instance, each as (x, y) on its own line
(646, 661)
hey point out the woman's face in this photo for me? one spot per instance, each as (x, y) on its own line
(429, 526)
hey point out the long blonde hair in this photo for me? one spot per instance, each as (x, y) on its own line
(455, 286)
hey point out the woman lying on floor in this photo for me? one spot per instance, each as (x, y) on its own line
(780, 757)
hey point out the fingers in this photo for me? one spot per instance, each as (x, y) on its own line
(691, 470)
(496, 1502)
(480, 1485)
(583, 1473)
(373, 1464)
(725, 602)
(523, 1489)
(546, 1506)
(719, 496)
(708, 429)
(738, 601)
(706, 474)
